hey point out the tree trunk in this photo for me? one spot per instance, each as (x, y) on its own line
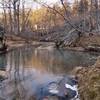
(10, 18)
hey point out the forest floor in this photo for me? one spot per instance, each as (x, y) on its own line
(89, 40)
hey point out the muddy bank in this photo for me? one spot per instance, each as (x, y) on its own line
(11, 45)
(89, 81)
(82, 45)
(89, 40)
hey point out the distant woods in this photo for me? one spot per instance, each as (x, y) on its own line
(14, 16)
(19, 18)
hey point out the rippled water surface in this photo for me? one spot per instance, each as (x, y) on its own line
(26, 69)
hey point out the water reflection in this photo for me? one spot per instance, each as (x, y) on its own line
(28, 69)
(3, 62)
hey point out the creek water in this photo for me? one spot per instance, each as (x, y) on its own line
(26, 69)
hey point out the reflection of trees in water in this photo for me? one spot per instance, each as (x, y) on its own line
(3, 62)
(55, 61)
(52, 61)
(21, 57)
(18, 59)
(62, 61)
(17, 62)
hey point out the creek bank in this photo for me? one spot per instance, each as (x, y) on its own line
(85, 43)
(89, 81)
(3, 76)
(18, 44)
(84, 49)
(47, 45)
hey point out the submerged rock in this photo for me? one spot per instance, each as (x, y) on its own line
(3, 75)
(63, 89)
(1, 78)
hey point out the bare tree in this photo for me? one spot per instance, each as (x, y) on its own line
(4, 14)
(16, 5)
(10, 17)
(23, 15)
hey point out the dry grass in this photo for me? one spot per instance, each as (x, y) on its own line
(85, 41)
(89, 82)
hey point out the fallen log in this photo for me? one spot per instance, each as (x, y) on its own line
(71, 38)
(93, 48)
